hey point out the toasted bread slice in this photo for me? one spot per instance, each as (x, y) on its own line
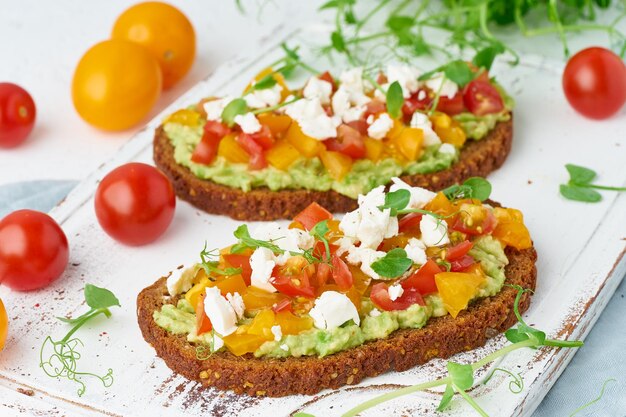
(478, 158)
(403, 349)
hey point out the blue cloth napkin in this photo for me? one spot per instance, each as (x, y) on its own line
(602, 358)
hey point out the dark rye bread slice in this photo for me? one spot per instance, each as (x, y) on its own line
(403, 349)
(477, 159)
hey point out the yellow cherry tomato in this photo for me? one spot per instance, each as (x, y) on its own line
(115, 85)
(4, 325)
(165, 31)
(457, 289)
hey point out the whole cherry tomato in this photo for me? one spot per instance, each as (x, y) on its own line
(135, 203)
(594, 83)
(115, 85)
(33, 250)
(165, 31)
(4, 325)
(17, 115)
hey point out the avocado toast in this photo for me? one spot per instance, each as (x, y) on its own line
(270, 153)
(406, 277)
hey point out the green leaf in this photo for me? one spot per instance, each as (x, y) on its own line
(233, 109)
(320, 229)
(459, 72)
(301, 414)
(485, 57)
(247, 242)
(329, 5)
(576, 193)
(400, 23)
(338, 42)
(580, 175)
(395, 99)
(97, 297)
(462, 375)
(349, 17)
(448, 394)
(393, 264)
(481, 188)
(264, 83)
(513, 335)
(396, 200)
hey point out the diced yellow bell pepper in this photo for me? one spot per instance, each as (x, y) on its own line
(292, 324)
(306, 145)
(409, 143)
(184, 117)
(232, 151)
(262, 324)
(195, 291)
(457, 289)
(336, 163)
(240, 344)
(277, 123)
(232, 284)
(440, 205)
(255, 298)
(396, 130)
(282, 155)
(511, 229)
(373, 149)
(441, 120)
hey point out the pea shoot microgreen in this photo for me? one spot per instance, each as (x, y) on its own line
(247, 242)
(395, 99)
(233, 109)
(211, 265)
(579, 186)
(393, 264)
(63, 361)
(474, 187)
(595, 400)
(319, 232)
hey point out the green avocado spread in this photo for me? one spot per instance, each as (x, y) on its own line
(375, 324)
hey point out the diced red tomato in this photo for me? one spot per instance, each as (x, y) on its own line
(452, 105)
(360, 125)
(322, 273)
(206, 150)
(424, 279)
(381, 78)
(240, 261)
(218, 129)
(264, 137)
(294, 278)
(374, 107)
(413, 103)
(284, 305)
(482, 98)
(319, 250)
(409, 222)
(312, 215)
(341, 273)
(475, 220)
(257, 157)
(348, 141)
(461, 264)
(459, 250)
(327, 76)
(203, 324)
(380, 297)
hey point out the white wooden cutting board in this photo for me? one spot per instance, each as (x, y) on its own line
(581, 261)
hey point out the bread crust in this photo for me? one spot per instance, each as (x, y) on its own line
(403, 349)
(477, 159)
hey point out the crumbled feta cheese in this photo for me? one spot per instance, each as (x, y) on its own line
(370, 119)
(447, 148)
(421, 95)
(434, 231)
(349, 100)
(421, 121)
(290, 240)
(376, 197)
(218, 342)
(320, 89)
(375, 313)
(262, 263)
(277, 332)
(248, 122)
(180, 281)
(284, 347)
(214, 108)
(419, 196)
(364, 257)
(380, 127)
(266, 97)
(406, 76)
(445, 88)
(352, 79)
(312, 119)
(416, 251)
(395, 292)
(332, 309)
(236, 302)
(220, 312)
(343, 245)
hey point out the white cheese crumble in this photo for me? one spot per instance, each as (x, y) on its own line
(312, 119)
(365, 257)
(419, 196)
(445, 88)
(421, 121)
(434, 231)
(218, 342)
(416, 251)
(220, 312)
(277, 332)
(290, 240)
(214, 108)
(248, 122)
(332, 309)
(421, 95)
(284, 347)
(349, 100)
(180, 281)
(380, 127)
(320, 89)
(395, 292)
(266, 97)
(375, 313)
(262, 263)
(406, 76)
(236, 302)
(447, 148)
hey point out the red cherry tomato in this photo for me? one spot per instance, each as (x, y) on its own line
(594, 83)
(322, 273)
(461, 264)
(374, 107)
(424, 279)
(380, 297)
(360, 125)
(33, 250)
(327, 76)
(206, 150)
(341, 273)
(294, 278)
(452, 105)
(264, 137)
(240, 261)
(348, 142)
(475, 220)
(257, 157)
(459, 250)
(17, 115)
(409, 221)
(482, 98)
(312, 215)
(419, 100)
(284, 305)
(135, 203)
(203, 323)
